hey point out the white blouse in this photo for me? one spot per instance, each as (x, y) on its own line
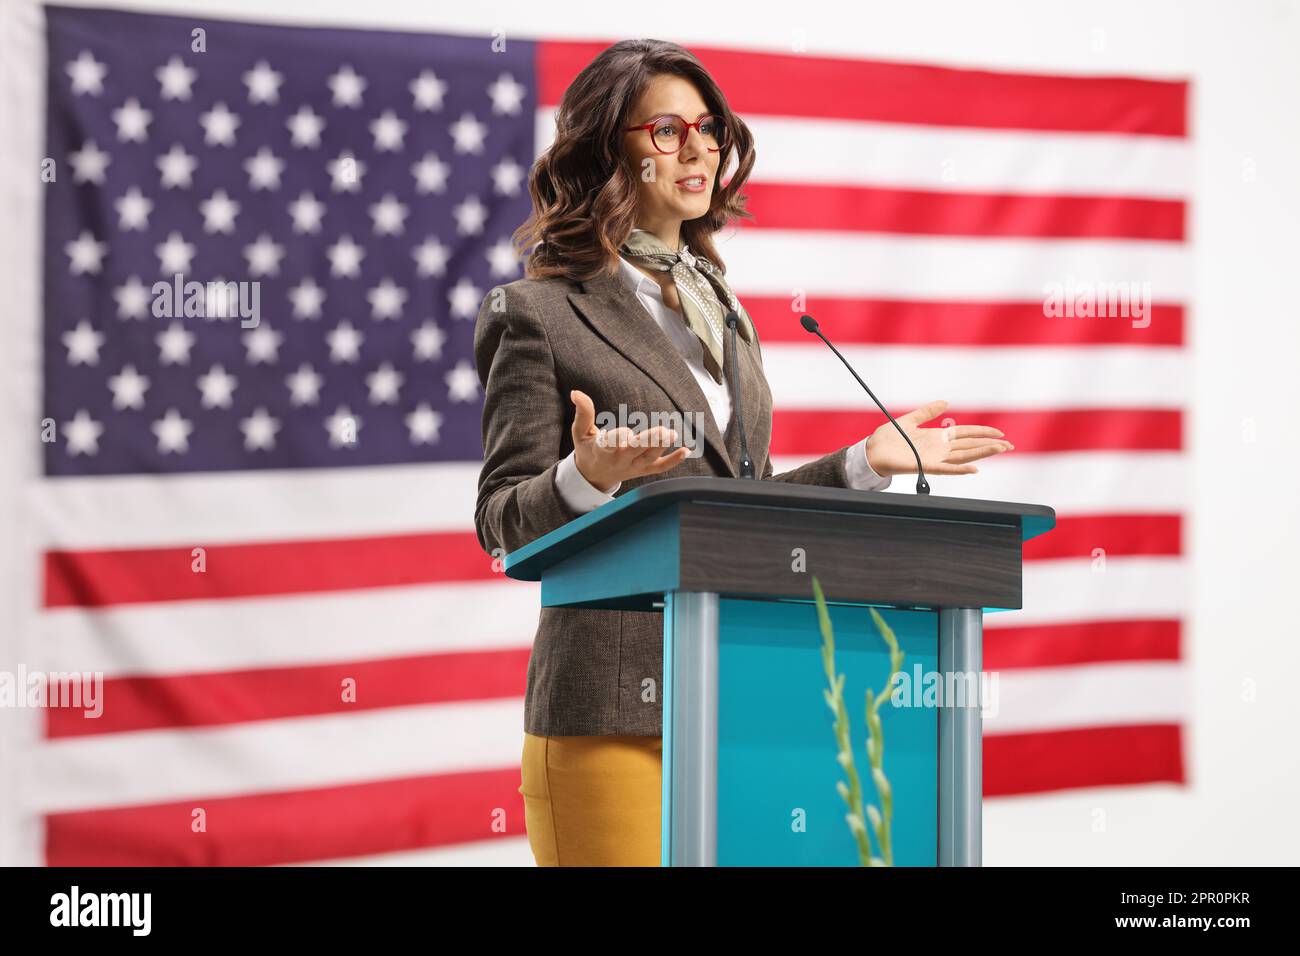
(580, 495)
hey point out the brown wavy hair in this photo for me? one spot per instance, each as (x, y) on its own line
(584, 190)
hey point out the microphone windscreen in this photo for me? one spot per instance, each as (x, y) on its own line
(809, 324)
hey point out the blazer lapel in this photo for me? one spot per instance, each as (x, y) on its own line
(616, 314)
(746, 372)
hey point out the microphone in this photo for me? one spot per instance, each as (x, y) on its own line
(810, 325)
(746, 463)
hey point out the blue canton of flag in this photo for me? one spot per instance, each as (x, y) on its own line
(266, 246)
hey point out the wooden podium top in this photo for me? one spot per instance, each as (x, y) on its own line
(787, 505)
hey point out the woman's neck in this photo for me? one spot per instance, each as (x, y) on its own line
(668, 232)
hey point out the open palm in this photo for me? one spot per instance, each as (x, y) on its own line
(943, 451)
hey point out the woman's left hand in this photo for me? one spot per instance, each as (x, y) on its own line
(943, 451)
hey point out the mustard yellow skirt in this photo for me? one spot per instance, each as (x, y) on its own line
(593, 801)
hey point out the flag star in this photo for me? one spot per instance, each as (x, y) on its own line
(430, 257)
(220, 300)
(218, 387)
(462, 383)
(128, 388)
(219, 213)
(263, 83)
(87, 74)
(470, 216)
(264, 170)
(507, 177)
(468, 133)
(173, 432)
(175, 254)
(174, 345)
(87, 254)
(259, 430)
(176, 79)
(346, 172)
(132, 299)
(264, 256)
(132, 121)
(305, 127)
(465, 299)
(389, 216)
(345, 258)
(219, 125)
(386, 300)
(384, 383)
(347, 87)
(82, 434)
(262, 345)
(430, 174)
(423, 424)
(133, 210)
(344, 427)
(307, 298)
(304, 386)
(507, 95)
(503, 259)
(88, 163)
(177, 167)
(428, 340)
(307, 212)
(345, 343)
(428, 91)
(83, 344)
(388, 131)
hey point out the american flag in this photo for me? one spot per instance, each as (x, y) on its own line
(260, 531)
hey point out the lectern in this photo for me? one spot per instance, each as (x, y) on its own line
(749, 756)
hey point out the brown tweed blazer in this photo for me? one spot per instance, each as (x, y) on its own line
(543, 338)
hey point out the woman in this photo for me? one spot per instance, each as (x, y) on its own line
(622, 311)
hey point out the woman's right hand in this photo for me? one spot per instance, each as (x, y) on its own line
(606, 458)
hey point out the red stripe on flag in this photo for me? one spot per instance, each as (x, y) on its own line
(136, 575)
(842, 208)
(904, 322)
(1085, 757)
(1078, 536)
(783, 84)
(233, 697)
(264, 829)
(1088, 642)
(805, 432)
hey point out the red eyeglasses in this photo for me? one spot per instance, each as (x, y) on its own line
(669, 132)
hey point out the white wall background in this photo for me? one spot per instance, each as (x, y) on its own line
(1244, 762)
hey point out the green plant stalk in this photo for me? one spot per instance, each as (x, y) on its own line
(852, 793)
(881, 820)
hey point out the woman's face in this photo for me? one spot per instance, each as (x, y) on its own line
(662, 196)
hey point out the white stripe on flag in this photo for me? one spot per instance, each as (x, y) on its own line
(1072, 589)
(155, 766)
(778, 262)
(1090, 695)
(810, 376)
(212, 509)
(141, 510)
(899, 155)
(1085, 483)
(288, 631)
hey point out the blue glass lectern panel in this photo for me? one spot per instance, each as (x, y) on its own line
(777, 800)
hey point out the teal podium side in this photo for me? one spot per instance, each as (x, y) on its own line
(749, 765)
